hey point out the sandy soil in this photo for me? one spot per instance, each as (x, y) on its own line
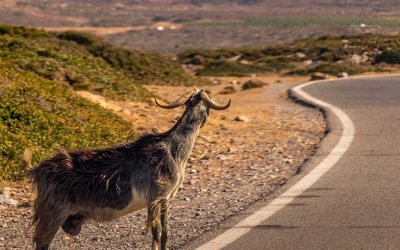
(103, 31)
(234, 164)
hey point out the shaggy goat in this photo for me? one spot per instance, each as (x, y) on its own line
(103, 184)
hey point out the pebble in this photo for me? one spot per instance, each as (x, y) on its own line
(4, 200)
(241, 118)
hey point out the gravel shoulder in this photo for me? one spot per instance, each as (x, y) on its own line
(234, 164)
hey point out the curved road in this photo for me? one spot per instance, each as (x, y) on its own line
(356, 204)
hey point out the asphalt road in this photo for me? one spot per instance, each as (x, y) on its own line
(356, 204)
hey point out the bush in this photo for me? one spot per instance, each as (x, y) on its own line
(225, 68)
(389, 57)
(251, 84)
(144, 68)
(331, 69)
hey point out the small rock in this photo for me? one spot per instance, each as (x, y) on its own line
(6, 192)
(345, 41)
(241, 118)
(218, 82)
(307, 62)
(192, 171)
(126, 111)
(4, 200)
(356, 59)
(343, 75)
(234, 82)
(300, 55)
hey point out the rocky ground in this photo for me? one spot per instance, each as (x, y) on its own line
(242, 155)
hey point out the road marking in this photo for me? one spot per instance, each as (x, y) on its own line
(297, 189)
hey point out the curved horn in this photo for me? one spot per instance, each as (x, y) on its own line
(213, 104)
(173, 105)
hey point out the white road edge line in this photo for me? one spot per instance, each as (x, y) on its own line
(302, 185)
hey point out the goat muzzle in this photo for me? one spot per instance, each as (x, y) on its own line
(213, 104)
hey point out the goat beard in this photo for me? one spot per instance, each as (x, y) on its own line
(204, 122)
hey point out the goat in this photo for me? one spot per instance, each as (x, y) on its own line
(75, 186)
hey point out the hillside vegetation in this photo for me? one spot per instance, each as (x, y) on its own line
(87, 62)
(330, 55)
(44, 114)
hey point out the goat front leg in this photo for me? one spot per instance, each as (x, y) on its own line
(164, 224)
(153, 223)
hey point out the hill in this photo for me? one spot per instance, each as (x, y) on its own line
(329, 55)
(87, 62)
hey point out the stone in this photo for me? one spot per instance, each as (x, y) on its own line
(241, 118)
(126, 111)
(343, 75)
(355, 59)
(300, 55)
(307, 62)
(6, 201)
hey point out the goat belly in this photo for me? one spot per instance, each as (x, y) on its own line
(137, 202)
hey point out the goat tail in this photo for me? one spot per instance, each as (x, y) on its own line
(27, 159)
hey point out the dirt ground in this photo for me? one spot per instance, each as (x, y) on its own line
(234, 164)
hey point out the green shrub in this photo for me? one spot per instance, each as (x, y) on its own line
(144, 68)
(253, 83)
(224, 68)
(389, 57)
(331, 69)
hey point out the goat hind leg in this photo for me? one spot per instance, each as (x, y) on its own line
(164, 225)
(153, 222)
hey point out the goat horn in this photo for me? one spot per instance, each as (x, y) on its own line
(213, 104)
(173, 105)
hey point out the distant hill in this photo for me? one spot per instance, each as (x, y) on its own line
(210, 24)
(326, 55)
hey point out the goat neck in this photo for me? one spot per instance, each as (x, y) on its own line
(184, 133)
